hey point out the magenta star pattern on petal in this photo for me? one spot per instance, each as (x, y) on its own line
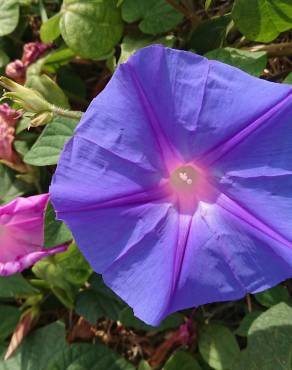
(22, 234)
(177, 183)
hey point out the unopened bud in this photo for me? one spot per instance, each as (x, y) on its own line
(30, 100)
(16, 70)
(33, 50)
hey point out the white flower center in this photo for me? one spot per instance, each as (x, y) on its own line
(184, 177)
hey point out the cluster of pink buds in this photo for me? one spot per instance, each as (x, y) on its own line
(8, 120)
(31, 52)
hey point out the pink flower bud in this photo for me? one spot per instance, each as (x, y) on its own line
(22, 234)
(16, 71)
(33, 50)
(8, 119)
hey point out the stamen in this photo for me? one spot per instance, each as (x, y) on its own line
(184, 178)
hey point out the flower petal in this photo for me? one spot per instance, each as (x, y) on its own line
(22, 227)
(199, 103)
(22, 234)
(88, 175)
(133, 248)
(257, 173)
(117, 121)
(227, 257)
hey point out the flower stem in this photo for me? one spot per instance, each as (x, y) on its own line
(67, 113)
(273, 50)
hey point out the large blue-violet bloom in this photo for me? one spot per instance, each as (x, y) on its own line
(177, 184)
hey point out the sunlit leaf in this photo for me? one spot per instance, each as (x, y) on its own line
(269, 341)
(218, 347)
(47, 148)
(9, 15)
(250, 62)
(50, 30)
(262, 20)
(91, 28)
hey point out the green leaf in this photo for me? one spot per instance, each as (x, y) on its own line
(288, 79)
(4, 58)
(181, 361)
(54, 60)
(46, 349)
(11, 316)
(24, 141)
(50, 30)
(83, 356)
(65, 273)
(10, 187)
(91, 28)
(45, 85)
(273, 296)
(262, 20)
(39, 349)
(3, 349)
(56, 232)
(269, 341)
(47, 148)
(246, 323)
(250, 62)
(98, 302)
(129, 320)
(209, 35)
(15, 286)
(22, 124)
(9, 16)
(218, 347)
(131, 44)
(143, 365)
(13, 364)
(156, 16)
(208, 3)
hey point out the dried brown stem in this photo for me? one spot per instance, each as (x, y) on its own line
(248, 302)
(273, 50)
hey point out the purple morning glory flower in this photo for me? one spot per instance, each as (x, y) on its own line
(177, 184)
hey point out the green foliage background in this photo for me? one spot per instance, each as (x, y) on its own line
(72, 320)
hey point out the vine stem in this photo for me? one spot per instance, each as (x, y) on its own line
(248, 302)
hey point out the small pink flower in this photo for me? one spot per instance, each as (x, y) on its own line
(16, 70)
(22, 234)
(9, 114)
(33, 50)
(8, 120)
